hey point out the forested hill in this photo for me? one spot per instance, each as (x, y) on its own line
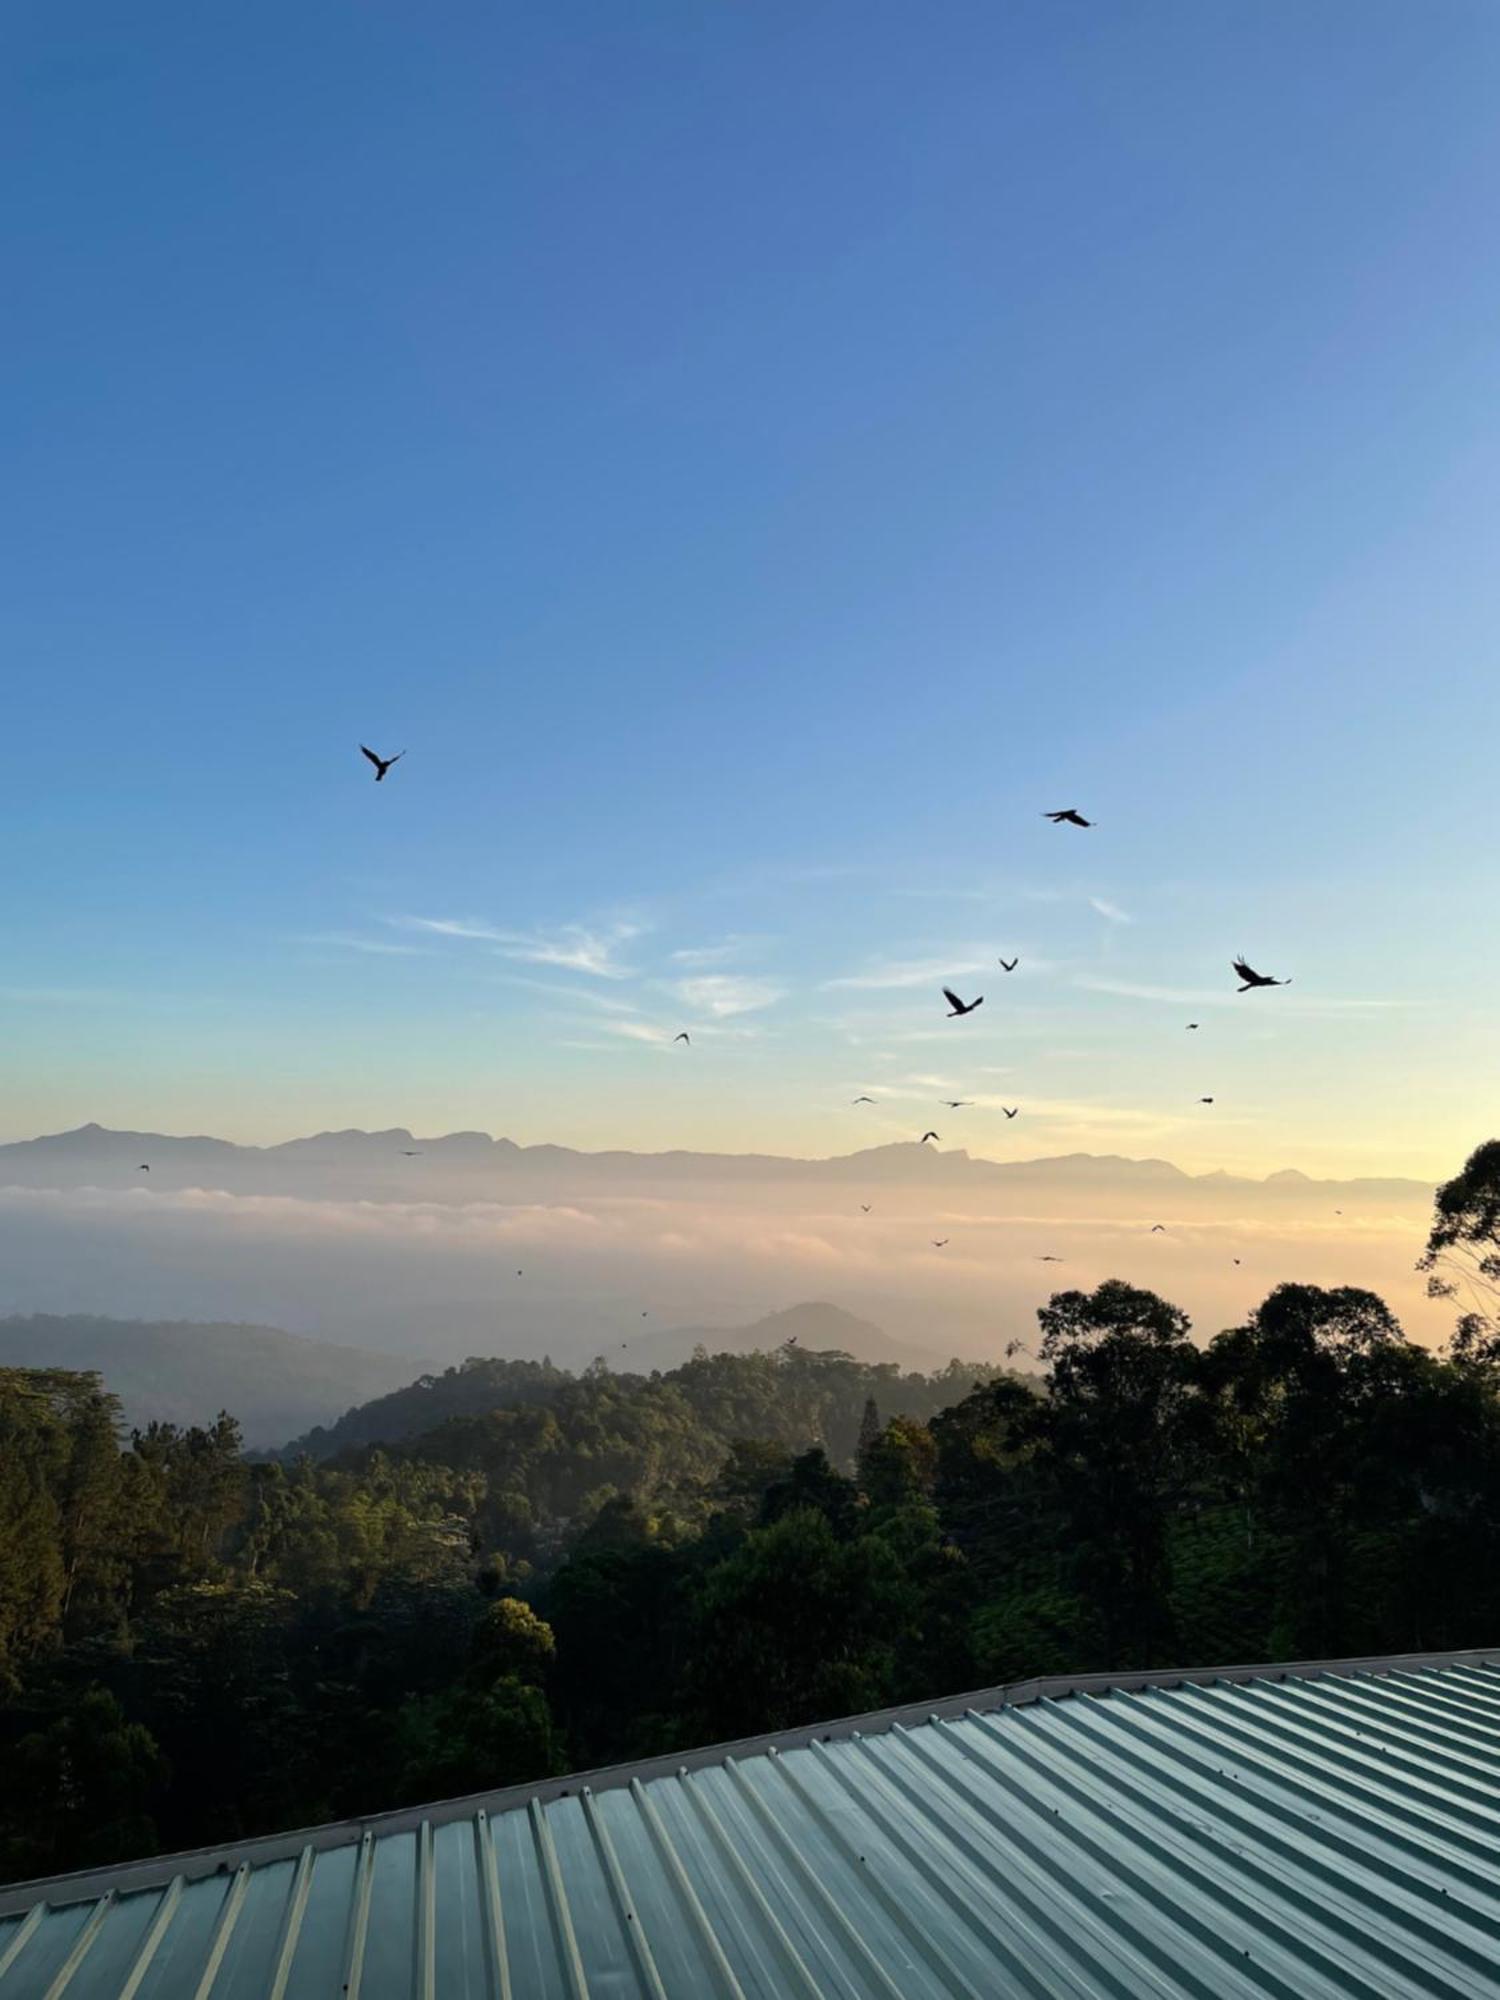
(185, 1372)
(648, 1429)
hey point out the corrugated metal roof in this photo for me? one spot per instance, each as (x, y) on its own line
(1331, 1829)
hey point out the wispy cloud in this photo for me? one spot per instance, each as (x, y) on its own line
(453, 927)
(897, 975)
(722, 995)
(1285, 1003)
(375, 947)
(641, 1031)
(1111, 911)
(724, 953)
(585, 996)
(571, 948)
(1130, 989)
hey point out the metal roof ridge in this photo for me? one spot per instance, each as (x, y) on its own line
(154, 1871)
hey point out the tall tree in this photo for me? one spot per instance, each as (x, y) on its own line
(1118, 1426)
(1462, 1257)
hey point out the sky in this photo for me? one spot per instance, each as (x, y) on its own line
(755, 461)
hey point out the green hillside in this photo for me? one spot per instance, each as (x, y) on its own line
(183, 1372)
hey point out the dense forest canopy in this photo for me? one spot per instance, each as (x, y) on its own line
(543, 1571)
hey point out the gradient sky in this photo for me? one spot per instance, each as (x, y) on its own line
(755, 459)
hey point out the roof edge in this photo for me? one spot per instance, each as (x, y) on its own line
(194, 1863)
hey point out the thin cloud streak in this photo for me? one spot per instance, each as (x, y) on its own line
(571, 948)
(579, 995)
(903, 974)
(723, 953)
(722, 995)
(375, 947)
(1187, 996)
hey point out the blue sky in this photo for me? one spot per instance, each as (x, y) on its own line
(755, 460)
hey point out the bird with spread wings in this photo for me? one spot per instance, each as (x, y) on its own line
(1253, 978)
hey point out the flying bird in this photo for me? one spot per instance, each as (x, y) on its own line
(1049, 1260)
(1158, 1229)
(1234, 1260)
(960, 1006)
(930, 1135)
(1015, 1347)
(1007, 1110)
(143, 1168)
(957, 1103)
(1009, 964)
(939, 1242)
(1253, 978)
(1205, 1100)
(865, 1207)
(861, 1100)
(382, 764)
(411, 1153)
(1071, 817)
(1192, 1024)
(684, 1037)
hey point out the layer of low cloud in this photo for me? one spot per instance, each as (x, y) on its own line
(556, 1271)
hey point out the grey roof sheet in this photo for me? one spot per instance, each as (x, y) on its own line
(1293, 1832)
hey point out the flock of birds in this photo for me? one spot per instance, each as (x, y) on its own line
(958, 1008)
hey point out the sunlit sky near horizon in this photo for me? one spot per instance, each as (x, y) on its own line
(755, 461)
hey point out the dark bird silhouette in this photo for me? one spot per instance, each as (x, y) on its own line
(861, 1100)
(1253, 978)
(865, 1207)
(939, 1242)
(1205, 1100)
(1015, 1347)
(143, 1168)
(1158, 1229)
(1071, 817)
(645, 1315)
(382, 764)
(1009, 964)
(930, 1135)
(1007, 1110)
(520, 1274)
(791, 1340)
(960, 1006)
(1049, 1260)
(411, 1153)
(957, 1103)
(1235, 1260)
(684, 1037)
(1192, 1024)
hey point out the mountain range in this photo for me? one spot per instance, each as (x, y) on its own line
(473, 1165)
